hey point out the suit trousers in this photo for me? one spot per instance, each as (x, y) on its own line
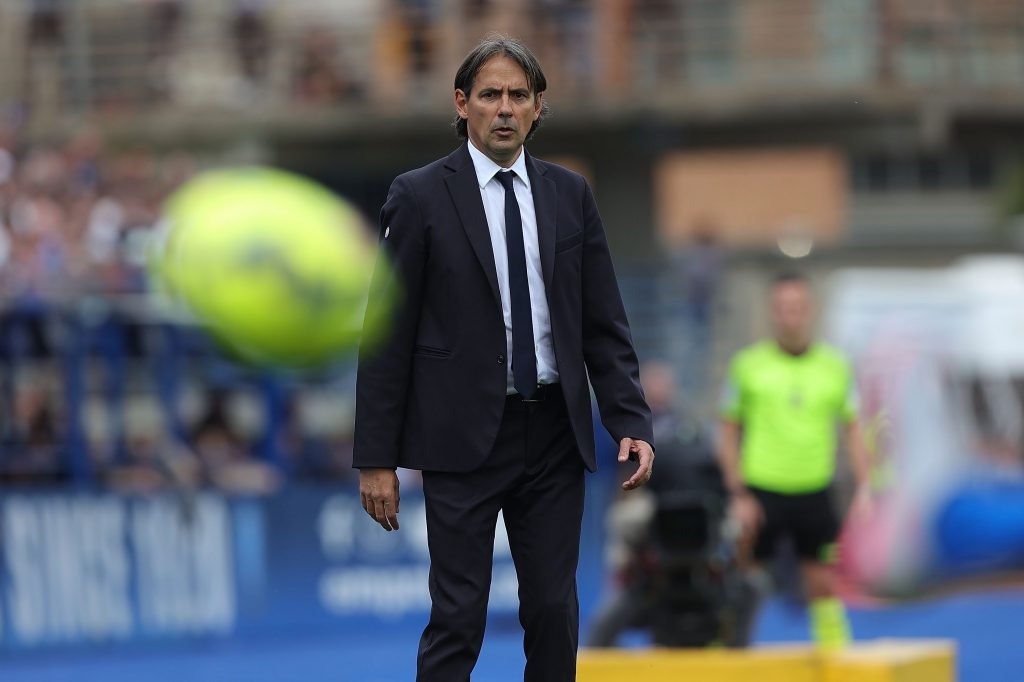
(534, 476)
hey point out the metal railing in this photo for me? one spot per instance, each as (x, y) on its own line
(97, 384)
(122, 57)
(93, 385)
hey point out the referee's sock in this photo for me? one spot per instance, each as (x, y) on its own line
(829, 625)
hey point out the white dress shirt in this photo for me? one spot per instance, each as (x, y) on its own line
(493, 195)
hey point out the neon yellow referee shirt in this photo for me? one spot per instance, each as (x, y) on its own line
(789, 407)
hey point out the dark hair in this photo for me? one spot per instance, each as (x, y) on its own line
(789, 277)
(494, 46)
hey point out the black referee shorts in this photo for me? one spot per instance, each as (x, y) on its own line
(809, 519)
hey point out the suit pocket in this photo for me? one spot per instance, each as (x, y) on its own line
(566, 243)
(431, 352)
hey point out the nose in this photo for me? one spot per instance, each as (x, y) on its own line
(505, 110)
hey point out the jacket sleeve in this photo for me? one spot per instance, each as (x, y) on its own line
(382, 380)
(607, 345)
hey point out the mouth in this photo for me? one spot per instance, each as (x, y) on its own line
(504, 131)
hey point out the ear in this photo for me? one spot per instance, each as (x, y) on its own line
(538, 105)
(461, 99)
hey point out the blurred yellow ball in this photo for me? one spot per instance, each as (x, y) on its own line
(274, 265)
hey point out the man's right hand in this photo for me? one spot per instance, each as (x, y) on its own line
(378, 490)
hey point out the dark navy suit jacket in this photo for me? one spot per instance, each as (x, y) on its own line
(431, 396)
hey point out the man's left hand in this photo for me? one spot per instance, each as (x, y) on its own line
(639, 451)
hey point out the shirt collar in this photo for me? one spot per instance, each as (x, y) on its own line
(486, 168)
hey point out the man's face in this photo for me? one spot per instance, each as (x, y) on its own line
(792, 311)
(500, 109)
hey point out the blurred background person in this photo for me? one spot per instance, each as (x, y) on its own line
(669, 549)
(696, 273)
(564, 33)
(31, 447)
(783, 401)
(320, 75)
(45, 32)
(225, 456)
(164, 27)
(250, 27)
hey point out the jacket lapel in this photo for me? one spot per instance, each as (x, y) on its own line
(465, 193)
(545, 203)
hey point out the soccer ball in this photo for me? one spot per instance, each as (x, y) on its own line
(274, 265)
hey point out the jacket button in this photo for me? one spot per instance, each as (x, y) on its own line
(501, 359)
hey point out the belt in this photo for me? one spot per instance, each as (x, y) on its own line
(543, 392)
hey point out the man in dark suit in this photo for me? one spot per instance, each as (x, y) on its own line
(508, 303)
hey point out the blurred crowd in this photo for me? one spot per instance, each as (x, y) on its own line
(243, 53)
(74, 217)
(150, 64)
(100, 384)
(66, 57)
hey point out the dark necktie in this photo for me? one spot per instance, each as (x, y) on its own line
(524, 359)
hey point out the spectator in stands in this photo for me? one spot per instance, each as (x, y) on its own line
(8, 165)
(224, 456)
(696, 273)
(43, 69)
(45, 21)
(31, 451)
(700, 270)
(474, 10)
(164, 21)
(320, 78)
(656, 38)
(82, 157)
(37, 267)
(250, 27)
(567, 26)
(418, 17)
(152, 459)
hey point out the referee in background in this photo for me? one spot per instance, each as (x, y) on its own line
(784, 401)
